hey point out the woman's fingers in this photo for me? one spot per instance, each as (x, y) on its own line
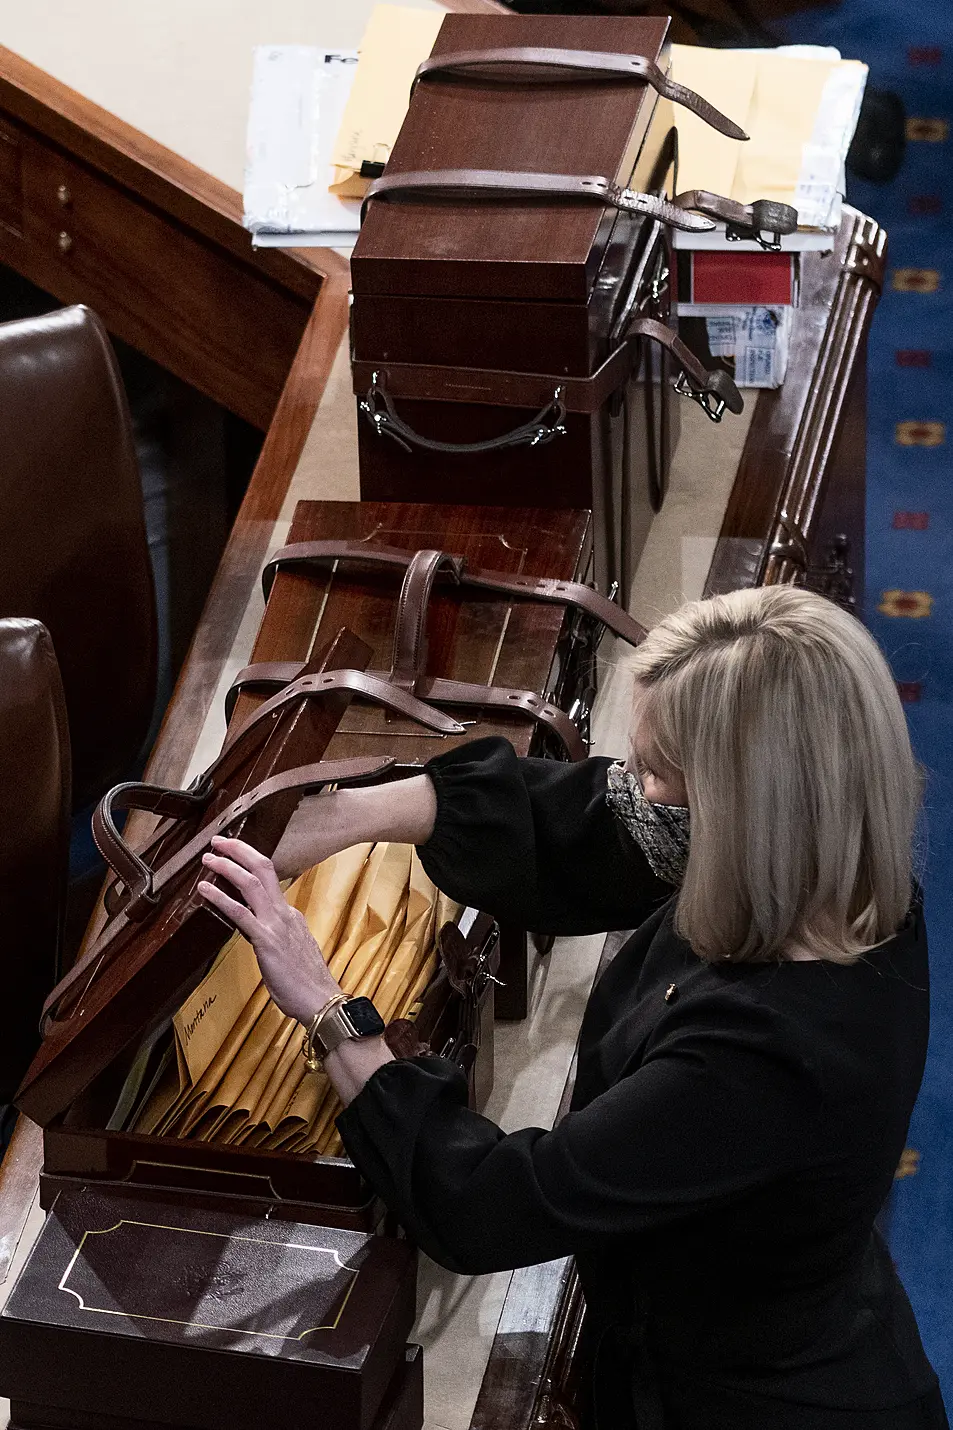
(247, 884)
(250, 859)
(241, 916)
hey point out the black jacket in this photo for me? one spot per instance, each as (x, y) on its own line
(727, 1150)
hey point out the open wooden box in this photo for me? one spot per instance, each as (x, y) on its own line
(79, 1150)
(155, 962)
(191, 1283)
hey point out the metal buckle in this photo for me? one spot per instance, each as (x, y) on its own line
(737, 233)
(377, 415)
(557, 427)
(712, 406)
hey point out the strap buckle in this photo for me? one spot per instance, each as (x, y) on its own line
(552, 421)
(710, 402)
(769, 220)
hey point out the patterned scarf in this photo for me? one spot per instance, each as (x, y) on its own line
(660, 830)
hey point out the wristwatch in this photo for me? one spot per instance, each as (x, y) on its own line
(340, 1020)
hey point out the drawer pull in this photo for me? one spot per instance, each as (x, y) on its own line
(64, 242)
(64, 196)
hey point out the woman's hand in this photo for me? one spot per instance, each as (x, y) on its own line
(291, 962)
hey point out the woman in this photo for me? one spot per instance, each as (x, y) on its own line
(748, 1062)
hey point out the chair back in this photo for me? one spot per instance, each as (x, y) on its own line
(34, 837)
(73, 549)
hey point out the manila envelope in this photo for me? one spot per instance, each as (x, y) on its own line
(395, 42)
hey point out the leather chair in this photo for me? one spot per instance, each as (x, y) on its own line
(73, 549)
(34, 837)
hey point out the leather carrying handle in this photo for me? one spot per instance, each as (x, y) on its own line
(410, 628)
(495, 387)
(303, 778)
(572, 594)
(711, 387)
(515, 184)
(575, 64)
(133, 871)
(377, 406)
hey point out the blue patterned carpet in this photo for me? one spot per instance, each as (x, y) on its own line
(909, 600)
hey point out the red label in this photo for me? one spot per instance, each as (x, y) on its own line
(925, 54)
(909, 691)
(742, 277)
(911, 520)
(926, 205)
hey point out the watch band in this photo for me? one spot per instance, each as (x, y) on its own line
(315, 1059)
(334, 1024)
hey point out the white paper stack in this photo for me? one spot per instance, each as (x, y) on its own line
(298, 96)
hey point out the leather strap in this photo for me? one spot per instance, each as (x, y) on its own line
(744, 221)
(304, 778)
(592, 64)
(134, 873)
(379, 410)
(369, 687)
(572, 594)
(711, 388)
(272, 675)
(515, 184)
(491, 386)
(410, 627)
(501, 697)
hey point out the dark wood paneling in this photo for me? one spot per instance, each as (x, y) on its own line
(145, 168)
(194, 307)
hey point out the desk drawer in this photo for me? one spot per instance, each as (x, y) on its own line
(216, 322)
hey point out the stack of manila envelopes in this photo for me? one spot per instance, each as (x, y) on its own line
(799, 104)
(233, 1071)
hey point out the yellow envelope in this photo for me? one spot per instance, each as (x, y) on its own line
(206, 1018)
(774, 97)
(726, 78)
(394, 44)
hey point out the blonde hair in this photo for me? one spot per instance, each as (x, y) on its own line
(782, 716)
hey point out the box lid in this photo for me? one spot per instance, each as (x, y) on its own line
(507, 249)
(472, 636)
(136, 973)
(225, 1313)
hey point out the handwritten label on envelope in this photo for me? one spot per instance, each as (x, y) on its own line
(204, 1020)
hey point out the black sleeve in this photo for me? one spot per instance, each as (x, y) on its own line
(708, 1116)
(533, 841)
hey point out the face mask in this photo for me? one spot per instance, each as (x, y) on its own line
(660, 830)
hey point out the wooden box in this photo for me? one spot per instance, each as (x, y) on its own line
(472, 314)
(121, 991)
(79, 1150)
(472, 636)
(134, 1314)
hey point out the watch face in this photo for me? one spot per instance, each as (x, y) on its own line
(364, 1017)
